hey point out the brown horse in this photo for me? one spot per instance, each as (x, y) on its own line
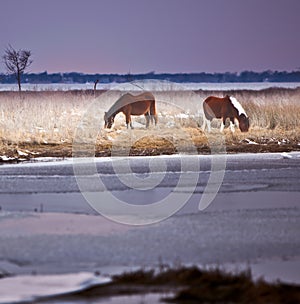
(143, 104)
(226, 107)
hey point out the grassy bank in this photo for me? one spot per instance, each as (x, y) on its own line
(194, 285)
(45, 123)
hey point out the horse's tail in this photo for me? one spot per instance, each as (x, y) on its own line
(153, 114)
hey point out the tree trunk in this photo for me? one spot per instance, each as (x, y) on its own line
(95, 87)
(19, 81)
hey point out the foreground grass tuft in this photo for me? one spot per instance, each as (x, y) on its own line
(194, 285)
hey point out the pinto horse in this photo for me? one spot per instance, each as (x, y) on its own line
(142, 104)
(226, 107)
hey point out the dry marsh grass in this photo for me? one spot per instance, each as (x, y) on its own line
(48, 121)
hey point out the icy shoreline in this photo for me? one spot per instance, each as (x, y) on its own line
(154, 86)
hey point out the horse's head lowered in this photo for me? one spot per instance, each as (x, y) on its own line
(108, 120)
(242, 117)
(243, 123)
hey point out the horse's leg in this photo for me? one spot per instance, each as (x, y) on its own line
(232, 124)
(128, 121)
(153, 114)
(154, 117)
(147, 116)
(223, 124)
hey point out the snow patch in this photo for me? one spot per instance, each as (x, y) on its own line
(182, 116)
(21, 153)
(250, 142)
(286, 155)
(29, 288)
(6, 158)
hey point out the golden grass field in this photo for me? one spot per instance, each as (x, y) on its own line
(46, 123)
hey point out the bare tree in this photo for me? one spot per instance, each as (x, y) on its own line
(16, 62)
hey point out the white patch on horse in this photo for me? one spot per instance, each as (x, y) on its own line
(238, 106)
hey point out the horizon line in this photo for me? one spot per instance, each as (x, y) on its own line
(160, 73)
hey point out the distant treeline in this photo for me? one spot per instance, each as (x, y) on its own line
(246, 76)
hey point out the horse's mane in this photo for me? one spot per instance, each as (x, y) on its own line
(126, 99)
(238, 106)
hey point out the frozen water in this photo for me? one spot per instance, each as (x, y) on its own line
(151, 85)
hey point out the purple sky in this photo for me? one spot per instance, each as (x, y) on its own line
(138, 36)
